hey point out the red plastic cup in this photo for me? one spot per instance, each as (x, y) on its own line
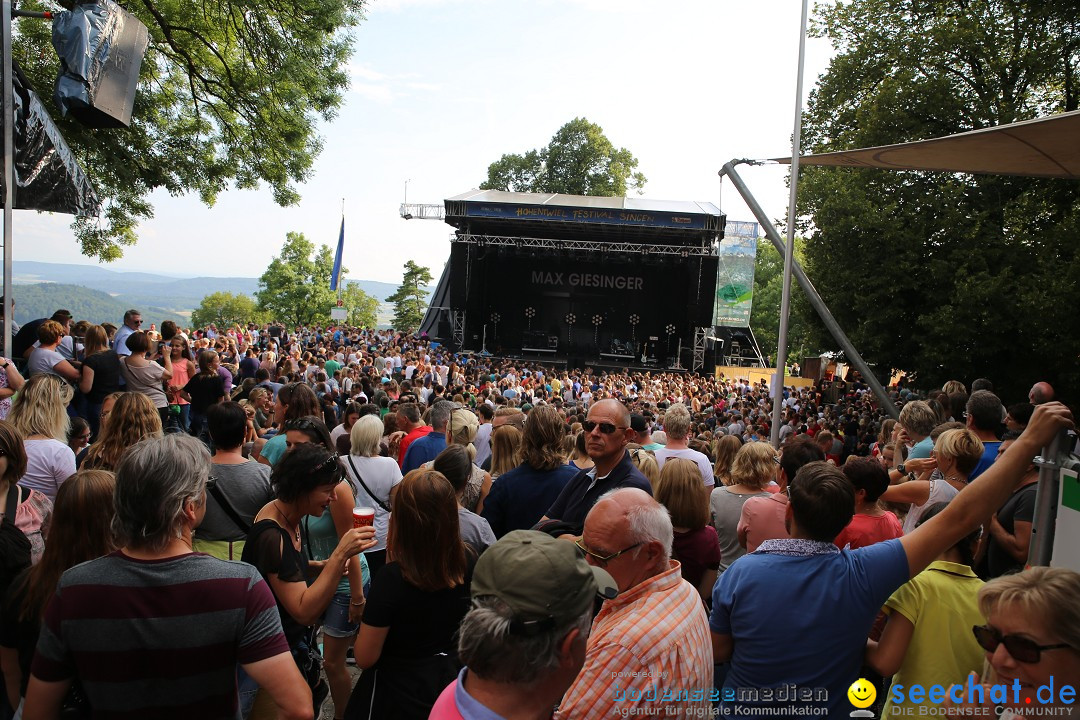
(363, 517)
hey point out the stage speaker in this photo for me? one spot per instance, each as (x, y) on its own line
(701, 288)
(460, 257)
(101, 48)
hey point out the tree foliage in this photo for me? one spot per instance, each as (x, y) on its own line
(768, 293)
(363, 309)
(296, 286)
(410, 300)
(579, 160)
(230, 93)
(948, 275)
(224, 309)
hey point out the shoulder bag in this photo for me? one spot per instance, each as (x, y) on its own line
(363, 484)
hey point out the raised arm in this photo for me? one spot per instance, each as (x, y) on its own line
(979, 501)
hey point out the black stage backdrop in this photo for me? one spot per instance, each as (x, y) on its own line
(504, 283)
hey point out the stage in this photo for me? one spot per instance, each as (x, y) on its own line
(579, 281)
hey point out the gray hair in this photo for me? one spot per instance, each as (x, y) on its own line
(155, 478)
(648, 520)
(439, 415)
(677, 421)
(365, 436)
(486, 646)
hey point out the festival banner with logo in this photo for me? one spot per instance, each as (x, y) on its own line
(735, 277)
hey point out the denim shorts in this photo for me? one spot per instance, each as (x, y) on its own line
(336, 618)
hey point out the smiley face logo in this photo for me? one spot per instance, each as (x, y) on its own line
(862, 693)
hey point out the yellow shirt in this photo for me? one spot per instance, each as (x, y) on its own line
(941, 603)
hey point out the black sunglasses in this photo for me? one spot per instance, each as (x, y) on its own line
(327, 464)
(605, 427)
(1021, 649)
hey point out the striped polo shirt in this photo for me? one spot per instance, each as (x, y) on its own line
(160, 638)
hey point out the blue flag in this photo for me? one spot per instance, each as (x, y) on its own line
(337, 257)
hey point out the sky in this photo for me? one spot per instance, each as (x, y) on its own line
(442, 88)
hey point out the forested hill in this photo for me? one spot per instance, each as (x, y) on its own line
(43, 299)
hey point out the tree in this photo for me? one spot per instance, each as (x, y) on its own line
(363, 309)
(296, 286)
(224, 309)
(948, 275)
(410, 300)
(579, 160)
(765, 314)
(230, 93)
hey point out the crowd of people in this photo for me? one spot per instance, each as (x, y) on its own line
(218, 522)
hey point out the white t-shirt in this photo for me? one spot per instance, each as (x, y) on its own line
(49, 463)
(703, 463)
(380, 474)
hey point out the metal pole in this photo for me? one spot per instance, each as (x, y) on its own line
(8, 102)
(1054, 458)
(811, 292)
(785, 297)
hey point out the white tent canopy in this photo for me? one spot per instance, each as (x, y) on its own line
(1045, 147)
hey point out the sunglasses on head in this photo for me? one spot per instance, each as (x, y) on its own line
(1021, 649)
(605, 427)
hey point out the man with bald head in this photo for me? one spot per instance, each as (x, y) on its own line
(650, 644)
(607, 432)
(1041, 392)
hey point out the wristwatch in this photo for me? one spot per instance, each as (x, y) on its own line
(900, 469)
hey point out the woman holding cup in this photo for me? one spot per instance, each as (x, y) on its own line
(341, 621)
(306, 482)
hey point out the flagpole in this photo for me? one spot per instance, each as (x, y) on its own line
(341, 290)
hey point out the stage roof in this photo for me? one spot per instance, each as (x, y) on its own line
(551, 215)
(1044, 147)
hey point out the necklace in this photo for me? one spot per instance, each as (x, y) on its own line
(288, 522)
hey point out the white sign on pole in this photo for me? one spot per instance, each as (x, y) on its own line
(338, 313)
(1067, 527)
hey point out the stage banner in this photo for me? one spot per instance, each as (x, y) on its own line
(606, 216)
(735, 278)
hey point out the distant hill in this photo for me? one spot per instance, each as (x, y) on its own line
(43, 299)
(168, 295)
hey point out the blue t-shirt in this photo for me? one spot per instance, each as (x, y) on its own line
(423, 450)
(520, 497)
(921, 449)
(990, 450)
(804, 619)
(274, 449)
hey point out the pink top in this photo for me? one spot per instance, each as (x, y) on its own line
(763, 519)
(179, 378)
(32, 517)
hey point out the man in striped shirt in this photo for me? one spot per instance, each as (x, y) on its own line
(155, 630)
(650, 647)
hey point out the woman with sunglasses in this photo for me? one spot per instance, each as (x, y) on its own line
(1032, 637)
(341, 620)
(927, 636)
(305, 483)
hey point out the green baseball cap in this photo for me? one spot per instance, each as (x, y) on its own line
(545, 581)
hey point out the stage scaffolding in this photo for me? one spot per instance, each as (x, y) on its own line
(593, 246)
